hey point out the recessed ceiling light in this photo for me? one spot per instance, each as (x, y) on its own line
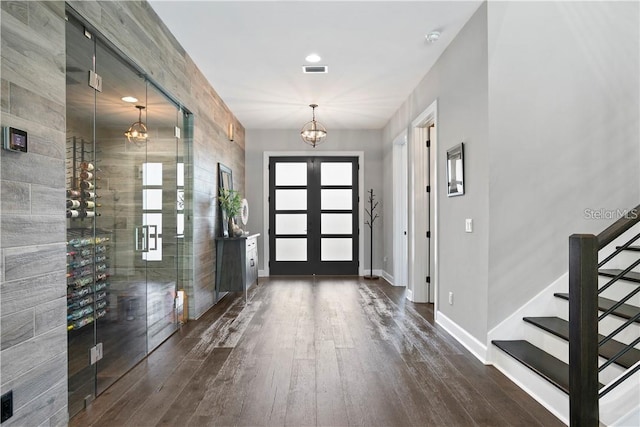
(433, 36)
(314, 57)
(129, 99)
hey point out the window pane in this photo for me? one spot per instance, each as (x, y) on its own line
(336, 223)
(180, 225)
(291, 249)
(291, 224)
(180, 174)
(336, 173)
(291, 200)
(152, 199)
(336, 199)
(152, 174)
(336, 250)
(291, 173)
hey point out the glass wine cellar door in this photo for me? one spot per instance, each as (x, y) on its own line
(125, 209)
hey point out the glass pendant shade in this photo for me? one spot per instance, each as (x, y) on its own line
(313, 132)
(137, 132)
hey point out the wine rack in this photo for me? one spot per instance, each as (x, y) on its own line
(87, 277)
(81, 180)
(87, 246)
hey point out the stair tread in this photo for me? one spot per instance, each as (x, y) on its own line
(630, 248)
(631, 276)
(626, 311)
(560, 328)
(552, 369)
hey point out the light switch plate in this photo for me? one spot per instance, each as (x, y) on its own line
(468, 225)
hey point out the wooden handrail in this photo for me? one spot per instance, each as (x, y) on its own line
(616, 229)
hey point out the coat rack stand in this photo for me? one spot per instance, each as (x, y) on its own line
(371, 219)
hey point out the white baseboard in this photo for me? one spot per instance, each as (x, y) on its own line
(263, 273)
(388, 277)
(477, 348)
(409, 294)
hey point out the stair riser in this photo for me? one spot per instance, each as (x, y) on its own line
(623, 260)
(611, 323)
(619, 290)
(559, 348)
(608, 325)
(548, 395)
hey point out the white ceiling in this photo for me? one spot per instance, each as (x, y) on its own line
(252, 53)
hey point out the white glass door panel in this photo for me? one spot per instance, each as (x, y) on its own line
(291, 249)
(291, 224)
(291, 200)
(291, 174)
(336, 173)
(336, 249)
(336, 199)
(336, 223)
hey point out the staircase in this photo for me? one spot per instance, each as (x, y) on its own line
(597, 349)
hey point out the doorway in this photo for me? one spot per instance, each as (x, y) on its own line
(313, 215)
(423, 210)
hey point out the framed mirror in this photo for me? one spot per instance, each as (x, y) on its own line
(455, 170)
(225, 180)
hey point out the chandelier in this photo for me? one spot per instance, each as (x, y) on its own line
(137, 132)
(313, 133)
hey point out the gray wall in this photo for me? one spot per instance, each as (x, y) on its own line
(545, 96)
(368, 141)
(33, 349)
(458, 81)
(563, 132)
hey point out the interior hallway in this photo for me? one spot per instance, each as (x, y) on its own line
(304, 352)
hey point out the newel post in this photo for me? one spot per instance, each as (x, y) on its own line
(583, 330)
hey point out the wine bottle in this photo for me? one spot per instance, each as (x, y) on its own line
(90, 195)
(84, 241)
(86, 166)
(73, 204)
(88, 204)
(86, 185)
(86, 175)
(73, 194)
(72, 213)
(88, 214)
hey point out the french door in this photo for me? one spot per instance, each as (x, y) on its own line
(313, 215)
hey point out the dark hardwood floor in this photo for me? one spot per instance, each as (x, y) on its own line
(307, 352)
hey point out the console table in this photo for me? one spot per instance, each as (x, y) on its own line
(236, 263)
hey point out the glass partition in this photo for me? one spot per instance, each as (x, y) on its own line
(130, 195)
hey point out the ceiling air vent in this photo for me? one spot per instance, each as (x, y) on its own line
(308, 69)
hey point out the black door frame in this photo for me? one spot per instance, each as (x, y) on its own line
(314, 265)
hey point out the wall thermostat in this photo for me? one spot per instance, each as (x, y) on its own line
(14, 139)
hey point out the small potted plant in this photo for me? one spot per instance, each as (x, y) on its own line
(231, 205)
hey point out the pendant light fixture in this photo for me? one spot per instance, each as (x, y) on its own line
(313, 133)
(137, 132)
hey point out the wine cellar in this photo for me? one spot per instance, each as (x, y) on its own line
(126, 163)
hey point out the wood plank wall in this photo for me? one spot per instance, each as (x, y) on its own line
(33, 226)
